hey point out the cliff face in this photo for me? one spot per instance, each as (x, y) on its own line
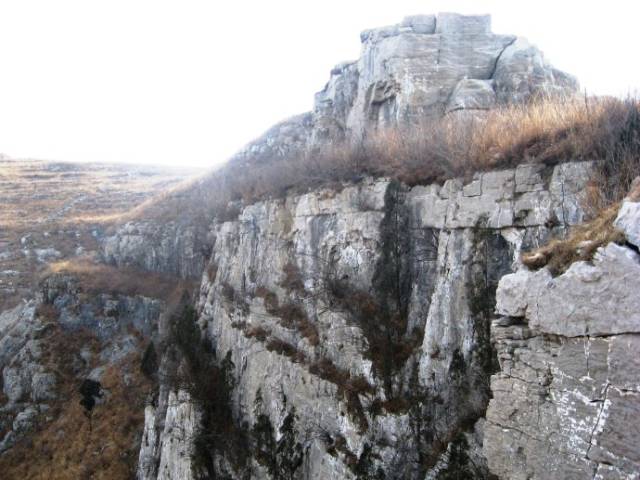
(566, 399)
(425, 67)
(370, 330)
(360, 320)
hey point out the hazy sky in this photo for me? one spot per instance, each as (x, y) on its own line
(189, 82)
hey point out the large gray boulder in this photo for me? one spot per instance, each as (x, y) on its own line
(628, 220)
(521, 72)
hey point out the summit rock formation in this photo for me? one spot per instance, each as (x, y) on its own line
(427, 65)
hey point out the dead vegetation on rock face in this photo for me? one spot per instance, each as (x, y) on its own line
(580, 245)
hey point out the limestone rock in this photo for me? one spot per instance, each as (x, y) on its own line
(593, 300)
(180, 427)
(566, 398)
(425, 66)
(167, 247)
(522, 72)
(628, 221)
(296, 254)
(456, 24)
(513, 294)
(470, 94)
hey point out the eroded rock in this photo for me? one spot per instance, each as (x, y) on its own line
(566, 397)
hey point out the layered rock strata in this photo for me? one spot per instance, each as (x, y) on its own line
(359, 320)
(567, 397)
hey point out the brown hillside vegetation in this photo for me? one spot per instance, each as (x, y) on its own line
(549, 131)
(52, 210)
(69, 444)
(100, 278)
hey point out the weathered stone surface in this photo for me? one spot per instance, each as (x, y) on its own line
(167, 247)
(593, 300)
(568, 193)
(456, 24)
(420, 23)
(510, 197)
(26, 383)
(455, 241)
(180, 427)
(522, 72)
(628, 221)
(566, 399)
(470, 94)
(557, 410)
(425, 66)
(512, 296)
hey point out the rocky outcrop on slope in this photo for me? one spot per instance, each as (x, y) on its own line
(427, 65)
(356, 323)
(176, 248)
(567, 396)
(70, 361)
(26, 384)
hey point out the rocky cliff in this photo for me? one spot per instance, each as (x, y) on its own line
(425, 66)
(358, 323)
(566, 398)
(366, 330)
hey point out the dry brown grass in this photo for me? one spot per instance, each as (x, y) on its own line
(581, 244)
(99, 278)
(548, 131)
(71, 446)
(63, 206)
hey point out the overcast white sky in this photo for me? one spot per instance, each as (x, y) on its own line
(189, 82)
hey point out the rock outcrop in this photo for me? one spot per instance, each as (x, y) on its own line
(567, 397)
(427, 65)
(372, 330)
(26, 385)
(176, 248)
(360, 320)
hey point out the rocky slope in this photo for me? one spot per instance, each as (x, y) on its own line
(425, 66)
(55, 210)
(367, 330)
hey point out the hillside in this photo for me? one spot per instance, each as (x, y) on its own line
(432, 275)
(55, 210)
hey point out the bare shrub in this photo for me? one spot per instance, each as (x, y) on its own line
(291, 315)
(281, 347)
(292, 280)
